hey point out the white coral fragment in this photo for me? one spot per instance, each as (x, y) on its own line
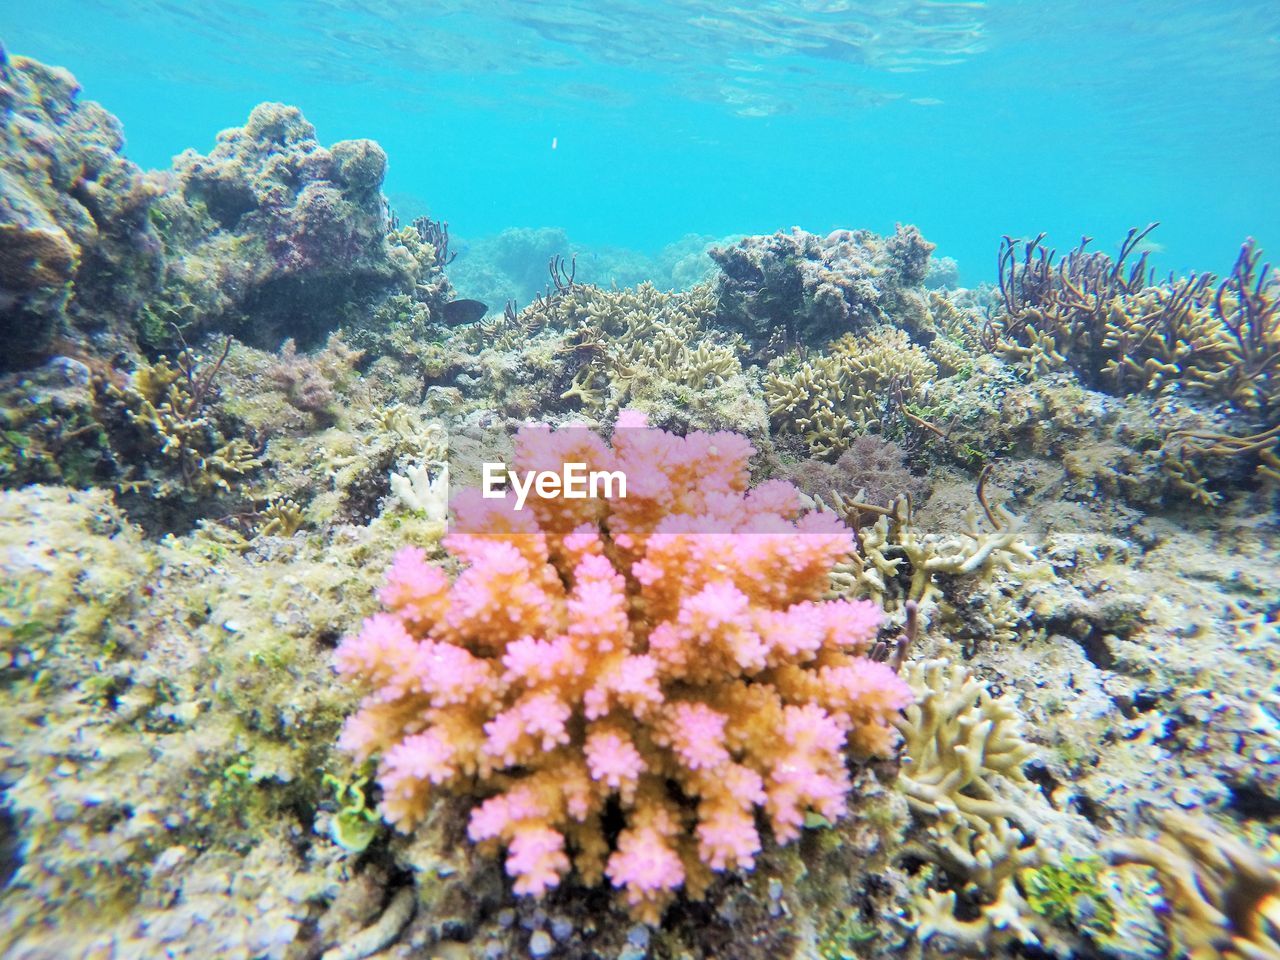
(421, 494)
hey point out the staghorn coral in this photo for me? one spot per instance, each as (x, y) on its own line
(957, 737)
(662, 654)
(1119, 330)
(898, 562)
(281, 517)
(637, 340)
(1223, 894)
(964, 751)
(959, 326)
(417, 491)
(800, 289)
(857, 388)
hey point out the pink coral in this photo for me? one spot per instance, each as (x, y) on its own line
(595, 652)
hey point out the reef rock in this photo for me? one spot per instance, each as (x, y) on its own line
(269, 236)
(272, 235)
(799, 288)
(76, 246)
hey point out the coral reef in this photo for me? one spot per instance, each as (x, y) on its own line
(668, 639)
(76, 247)
(899, 561)
(594, 351)
(862, 385)
(49, 432)
(872, 471)
(1061, 488)
(1116, 327)
(801, 289)
(273, 236)
(270, 234)
(512, 265)
(1111, 323)
(171, 711)
(174, 447)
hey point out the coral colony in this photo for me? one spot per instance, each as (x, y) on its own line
(594, 652)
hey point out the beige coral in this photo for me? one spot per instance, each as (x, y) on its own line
(831, 399)
(963, 779)
(167, 402)
(1224, 895)
(894, 546)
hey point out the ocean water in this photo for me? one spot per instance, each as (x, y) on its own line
(634, 123)
(1001, 677)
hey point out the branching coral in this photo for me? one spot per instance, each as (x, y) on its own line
(637, 347)
(957, 738)
(629, 338)
(1120, 330)
(963, 779)
(663, 655)
(1223, 894)
(1071, 313)
(167, 402)
(853, 390)
(898, 562)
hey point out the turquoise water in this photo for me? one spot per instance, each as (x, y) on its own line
(632, 123)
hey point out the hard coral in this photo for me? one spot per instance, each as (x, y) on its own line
(800, 288)
(663, 656)
(1123, 331)
(832, 399)
(1222, 893)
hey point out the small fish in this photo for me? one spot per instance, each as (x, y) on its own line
(458, 312)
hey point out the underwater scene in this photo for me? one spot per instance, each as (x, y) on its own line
(640, 480)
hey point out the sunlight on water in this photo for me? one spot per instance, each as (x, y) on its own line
(970, 119)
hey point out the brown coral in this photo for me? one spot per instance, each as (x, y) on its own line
(1224, 895)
